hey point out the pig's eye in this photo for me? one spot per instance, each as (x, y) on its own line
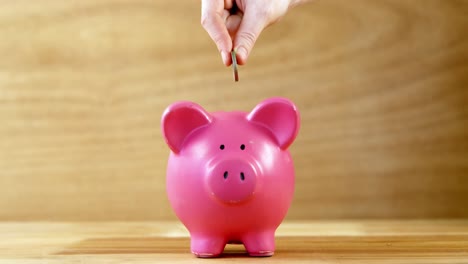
(221, 147)
(242, 147)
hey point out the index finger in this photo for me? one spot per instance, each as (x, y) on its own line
(213, 22)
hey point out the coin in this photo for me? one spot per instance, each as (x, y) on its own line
(234, 66)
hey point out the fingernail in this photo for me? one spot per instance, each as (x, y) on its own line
(241, 53)
(225, 57)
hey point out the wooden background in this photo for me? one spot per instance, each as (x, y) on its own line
(381, 85)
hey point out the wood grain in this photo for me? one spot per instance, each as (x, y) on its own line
(381, 86)
(415, 241)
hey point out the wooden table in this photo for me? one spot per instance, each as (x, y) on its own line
(409, 241)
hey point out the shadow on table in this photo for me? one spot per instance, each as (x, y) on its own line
(141, 245)
(333, 247)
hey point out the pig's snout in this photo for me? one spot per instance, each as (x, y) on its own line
(232, 181)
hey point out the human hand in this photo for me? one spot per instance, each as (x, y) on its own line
(238, 23)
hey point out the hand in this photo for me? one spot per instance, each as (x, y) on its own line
(238, 23)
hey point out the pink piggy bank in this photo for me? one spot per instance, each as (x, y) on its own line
(230, 176)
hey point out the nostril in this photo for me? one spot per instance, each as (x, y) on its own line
(225, 175)
(242, 176)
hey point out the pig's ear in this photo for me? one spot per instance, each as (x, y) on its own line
(280, 116)
(179, 120)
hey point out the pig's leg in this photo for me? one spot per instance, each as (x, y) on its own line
(207, 246)
(260, 244)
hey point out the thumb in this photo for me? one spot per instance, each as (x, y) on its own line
(248, 33)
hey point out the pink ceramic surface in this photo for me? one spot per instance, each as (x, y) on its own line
(230, 177)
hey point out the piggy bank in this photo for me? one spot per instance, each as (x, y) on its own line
(230, 176)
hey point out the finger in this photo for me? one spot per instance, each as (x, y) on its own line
(228, 4)
(249, 30)
(213, 22)
(232, 24)
(225, 15)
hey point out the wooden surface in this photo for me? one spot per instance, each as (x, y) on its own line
(381, 85)
(415, 241)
